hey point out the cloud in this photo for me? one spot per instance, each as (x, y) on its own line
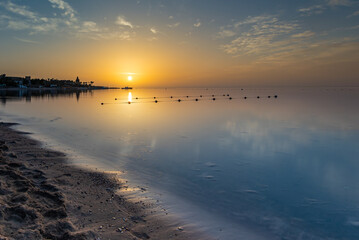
(121, 20)
(68, 10)
(316, 9)
(21, 18)
(26, 40)
(333, 3)
(354, 14)
(305, 34)
(153, 30)
(174, 25)
(197, 24)
(88, 27)
(258, 36)
(20, 10)
(226, 33)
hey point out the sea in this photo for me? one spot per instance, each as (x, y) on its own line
(234, 163)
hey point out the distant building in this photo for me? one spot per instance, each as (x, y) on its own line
(77, 80)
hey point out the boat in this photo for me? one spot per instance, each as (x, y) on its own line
(127, 88)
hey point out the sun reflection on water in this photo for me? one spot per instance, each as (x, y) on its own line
(129, 98)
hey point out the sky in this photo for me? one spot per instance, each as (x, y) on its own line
(183, 43)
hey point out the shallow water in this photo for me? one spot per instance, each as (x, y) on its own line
(264, 168)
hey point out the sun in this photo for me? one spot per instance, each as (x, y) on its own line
(129, 78)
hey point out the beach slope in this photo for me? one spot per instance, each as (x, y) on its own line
(42, 196)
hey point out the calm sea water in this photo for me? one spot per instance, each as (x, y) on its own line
(267, 168)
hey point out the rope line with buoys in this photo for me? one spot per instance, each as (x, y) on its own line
(187, 99)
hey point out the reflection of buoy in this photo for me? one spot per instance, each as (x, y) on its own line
(196, 99)
(245, 97)
(230, 98)
(179, 100)
(212, 95)
(156, 101)
(275, 96)
(214, 99)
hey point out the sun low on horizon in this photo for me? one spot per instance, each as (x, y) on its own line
(172, 43)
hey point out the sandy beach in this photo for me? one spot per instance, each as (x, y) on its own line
(42, 196)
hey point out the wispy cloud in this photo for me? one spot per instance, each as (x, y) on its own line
(20, 10)
(258, 36)
(68, 10)
(174, 25)
(22, 18)
(197, 24)
(26, 40)
(225, 33)
(316, 9)
(354, 14)
(305, 34)
(121, 21)
(339, 3)
(153, 30)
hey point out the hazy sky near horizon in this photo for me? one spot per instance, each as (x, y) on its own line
(183, 42)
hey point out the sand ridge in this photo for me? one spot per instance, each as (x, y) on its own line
(44, 197)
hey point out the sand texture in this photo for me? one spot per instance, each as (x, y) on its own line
(44, 197)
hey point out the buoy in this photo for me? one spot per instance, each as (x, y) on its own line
(186, 96)
(154, 97)
(275, 96)
(268, 96)
(115, 98)
(156, 101)
(102, 103)
(241, 89)
(230, 98)
(212, 95)
(129, 102)
(214, 99)
(258, 96)
(224, 95)
(171, 97)
(200, 95)
(245, 97)
(196, 99)
(227, 95)
(179, 100)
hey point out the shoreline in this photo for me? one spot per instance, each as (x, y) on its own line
(43, 196)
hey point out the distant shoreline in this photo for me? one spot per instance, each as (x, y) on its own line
(58, 88)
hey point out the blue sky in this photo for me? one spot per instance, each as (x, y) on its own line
(243, 36)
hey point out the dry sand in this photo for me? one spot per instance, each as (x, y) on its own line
(44, 197)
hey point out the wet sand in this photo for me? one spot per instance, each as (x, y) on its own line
(42, 196)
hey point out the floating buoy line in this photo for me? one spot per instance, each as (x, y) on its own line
(186, 98)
